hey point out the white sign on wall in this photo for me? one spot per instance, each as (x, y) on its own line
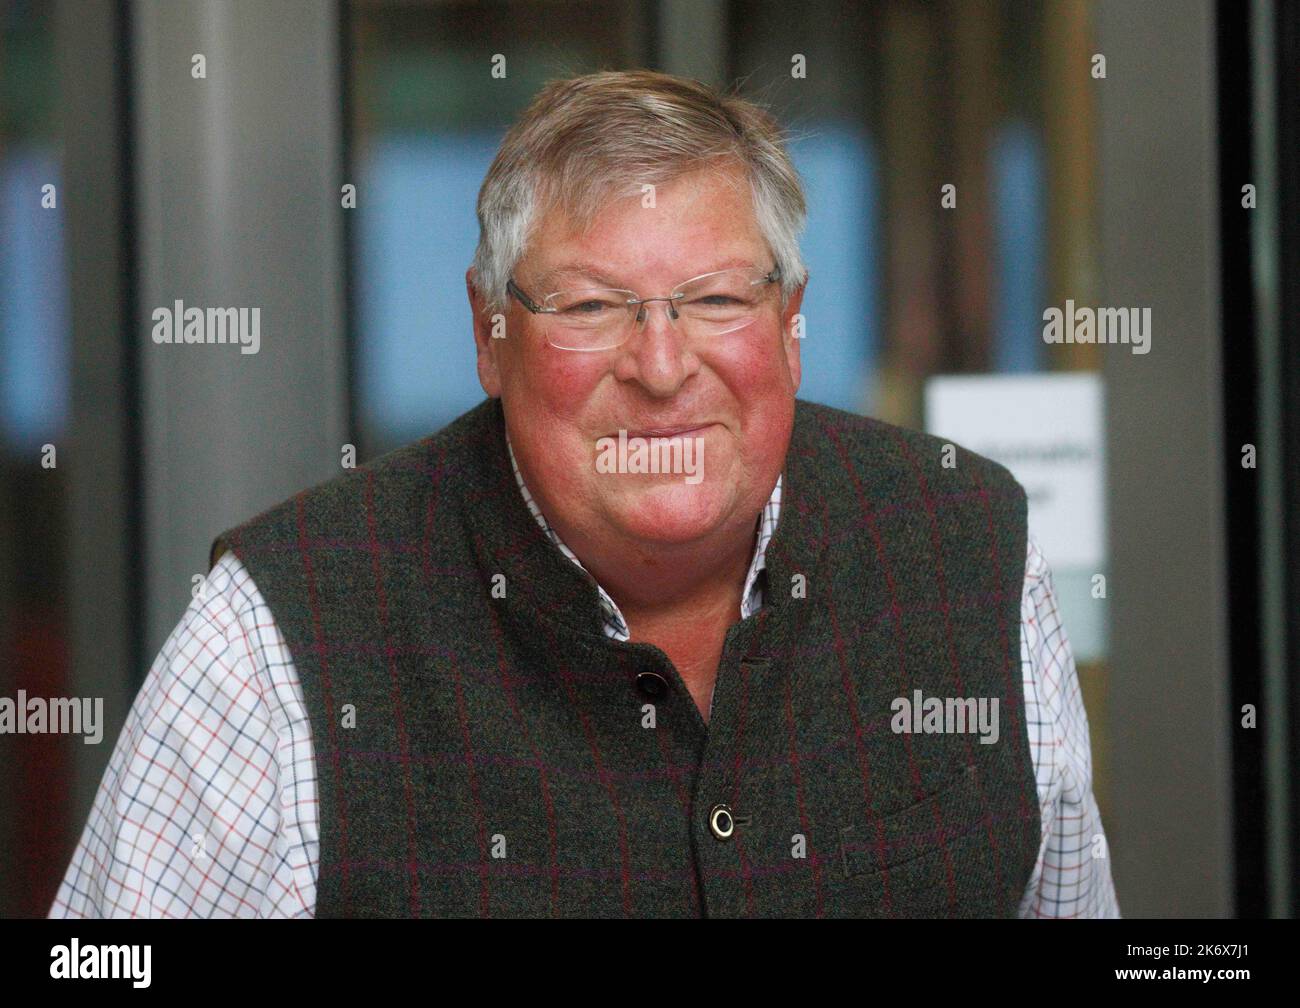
(1048, 430)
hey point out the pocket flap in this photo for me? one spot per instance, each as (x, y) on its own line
(950, 811)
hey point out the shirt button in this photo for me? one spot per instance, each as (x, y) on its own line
(651, 684)
(721, 822)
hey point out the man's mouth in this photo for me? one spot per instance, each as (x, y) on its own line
(663, 432)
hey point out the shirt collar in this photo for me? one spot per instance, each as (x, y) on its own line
(751, 597)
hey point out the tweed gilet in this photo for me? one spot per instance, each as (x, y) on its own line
(483, 749)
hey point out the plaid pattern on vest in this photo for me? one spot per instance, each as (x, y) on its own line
(502, 760)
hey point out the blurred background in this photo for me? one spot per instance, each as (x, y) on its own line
(1109, 154)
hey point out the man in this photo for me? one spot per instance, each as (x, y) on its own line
(640, 634)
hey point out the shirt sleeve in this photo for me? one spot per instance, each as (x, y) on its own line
(208, 805)
(1072, 876)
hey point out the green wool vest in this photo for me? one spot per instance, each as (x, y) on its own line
(506, 758)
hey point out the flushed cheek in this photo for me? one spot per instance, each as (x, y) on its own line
(767, 415)
(757, 353)
(754, 383)
(561, 385)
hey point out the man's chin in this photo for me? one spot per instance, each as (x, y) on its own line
(670, 511)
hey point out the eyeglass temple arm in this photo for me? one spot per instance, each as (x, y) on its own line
(525, 300)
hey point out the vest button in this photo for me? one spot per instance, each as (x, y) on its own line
(721, 822)
(651, 684)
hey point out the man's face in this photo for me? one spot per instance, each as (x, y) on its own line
(738, 389)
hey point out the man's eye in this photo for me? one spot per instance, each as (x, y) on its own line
(716, 301)
(589, 307)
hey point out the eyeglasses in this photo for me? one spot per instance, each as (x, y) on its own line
(602, 318)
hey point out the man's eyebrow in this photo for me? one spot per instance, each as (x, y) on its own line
(588, 270)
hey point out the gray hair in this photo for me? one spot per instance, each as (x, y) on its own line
(582, 139)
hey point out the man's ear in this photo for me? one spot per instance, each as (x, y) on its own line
(789, 320)
(489, 375)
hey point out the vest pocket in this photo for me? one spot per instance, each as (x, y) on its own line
(931, 859)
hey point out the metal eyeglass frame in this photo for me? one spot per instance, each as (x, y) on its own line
(771, 276)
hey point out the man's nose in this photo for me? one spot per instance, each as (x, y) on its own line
(658, 354)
